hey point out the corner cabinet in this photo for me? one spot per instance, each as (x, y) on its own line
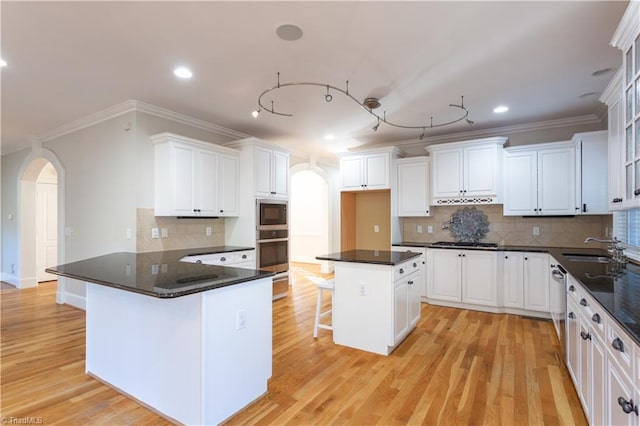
(591, 172)
(413, 187)
(367, 170)
(194, 178)
(467, 172)
(540, 180)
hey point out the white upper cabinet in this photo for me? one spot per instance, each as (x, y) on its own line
(467, 172)
(366, 170)
(271, 173)
(540, 180)
(413, 186)
(194, 178)
(623, 99)
(612, 96)
(591, 172)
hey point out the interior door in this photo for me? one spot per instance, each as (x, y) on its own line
(46, 229)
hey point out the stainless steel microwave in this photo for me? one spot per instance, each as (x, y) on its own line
(272, 214)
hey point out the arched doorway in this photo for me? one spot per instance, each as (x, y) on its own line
(40, 219)
(309, 204)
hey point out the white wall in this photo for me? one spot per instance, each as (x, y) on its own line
(309, 213)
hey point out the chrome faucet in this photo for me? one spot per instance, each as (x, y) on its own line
(616, 250)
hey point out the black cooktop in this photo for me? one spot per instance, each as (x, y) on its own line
(463, 244)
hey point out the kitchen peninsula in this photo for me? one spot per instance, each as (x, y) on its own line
(189, 340)
(376, 298)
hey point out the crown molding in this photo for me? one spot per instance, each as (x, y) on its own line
(138, 106)
(628, 27)
(613, 91)
(500, 131)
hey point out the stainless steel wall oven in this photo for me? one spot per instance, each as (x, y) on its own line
(272, 242)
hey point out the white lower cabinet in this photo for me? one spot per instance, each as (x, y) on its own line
(466, 276)
(421, 287)
(525, 281)
(599, 358)
(406, 304)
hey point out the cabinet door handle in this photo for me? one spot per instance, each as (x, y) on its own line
(506, 257)
(584, 208)
(552, 265)
(198, 261)
(410, 282)
(415, 265)
(596, 318)
(585, 335)
(459, 255)
(628, 406)
(636, 192)
(526, 258)
(571, 315)
(221, 211)
(583, 302)
(427, 211)
(464, 255)
(617, 344)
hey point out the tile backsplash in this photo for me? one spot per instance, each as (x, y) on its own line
(512, 230)
(180, 233)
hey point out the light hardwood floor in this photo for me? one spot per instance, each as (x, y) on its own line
(457, 367)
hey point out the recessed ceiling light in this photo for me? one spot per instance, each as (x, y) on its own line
(329, 136)
(183, 72)
(500, 109)
(289, 32)
(3, 63)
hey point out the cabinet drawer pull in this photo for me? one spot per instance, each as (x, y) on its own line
(596, 318)
(583, 302)
(571, 315)
(585, 335)
(572, 288)
(636, 192)
(617, 344)
(415, 265)
(628, 406)
(198, 261)
(244, 256)
(410, 282)
(223, 259)
(401, 271)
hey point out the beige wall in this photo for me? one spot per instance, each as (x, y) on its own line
(373, 208)
(512, 230)
(181, 233)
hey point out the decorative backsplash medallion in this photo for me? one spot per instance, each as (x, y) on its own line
(469, 225)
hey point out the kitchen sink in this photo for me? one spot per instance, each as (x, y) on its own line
(576, 257)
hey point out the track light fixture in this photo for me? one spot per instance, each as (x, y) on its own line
(369, 104)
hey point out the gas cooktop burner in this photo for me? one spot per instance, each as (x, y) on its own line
(464, 244)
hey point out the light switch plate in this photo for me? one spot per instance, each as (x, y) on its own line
(155, 233)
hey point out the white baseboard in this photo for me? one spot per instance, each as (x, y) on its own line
(10, 279)
(74, 300)
(28, 282)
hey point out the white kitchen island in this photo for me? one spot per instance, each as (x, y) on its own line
(376, 300)
(190, 341)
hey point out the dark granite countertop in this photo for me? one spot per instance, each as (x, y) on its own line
(378, 257)
(498, 248)
(159, 274)
(617, 292)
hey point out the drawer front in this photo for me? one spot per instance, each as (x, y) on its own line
(593, 312)
(219, 259)
(407, 268)
(620, 346)
(245, 256)
(574, 290)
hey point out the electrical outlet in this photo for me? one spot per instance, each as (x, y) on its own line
(376, 228)
(536, 230)
(207, 231)
(430, 229)
(154, 269)
(363, 289)
(241, 319)
(419, 229)
(164, 232)
(127, 233)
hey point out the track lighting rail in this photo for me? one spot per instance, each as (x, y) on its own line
(368, 105)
